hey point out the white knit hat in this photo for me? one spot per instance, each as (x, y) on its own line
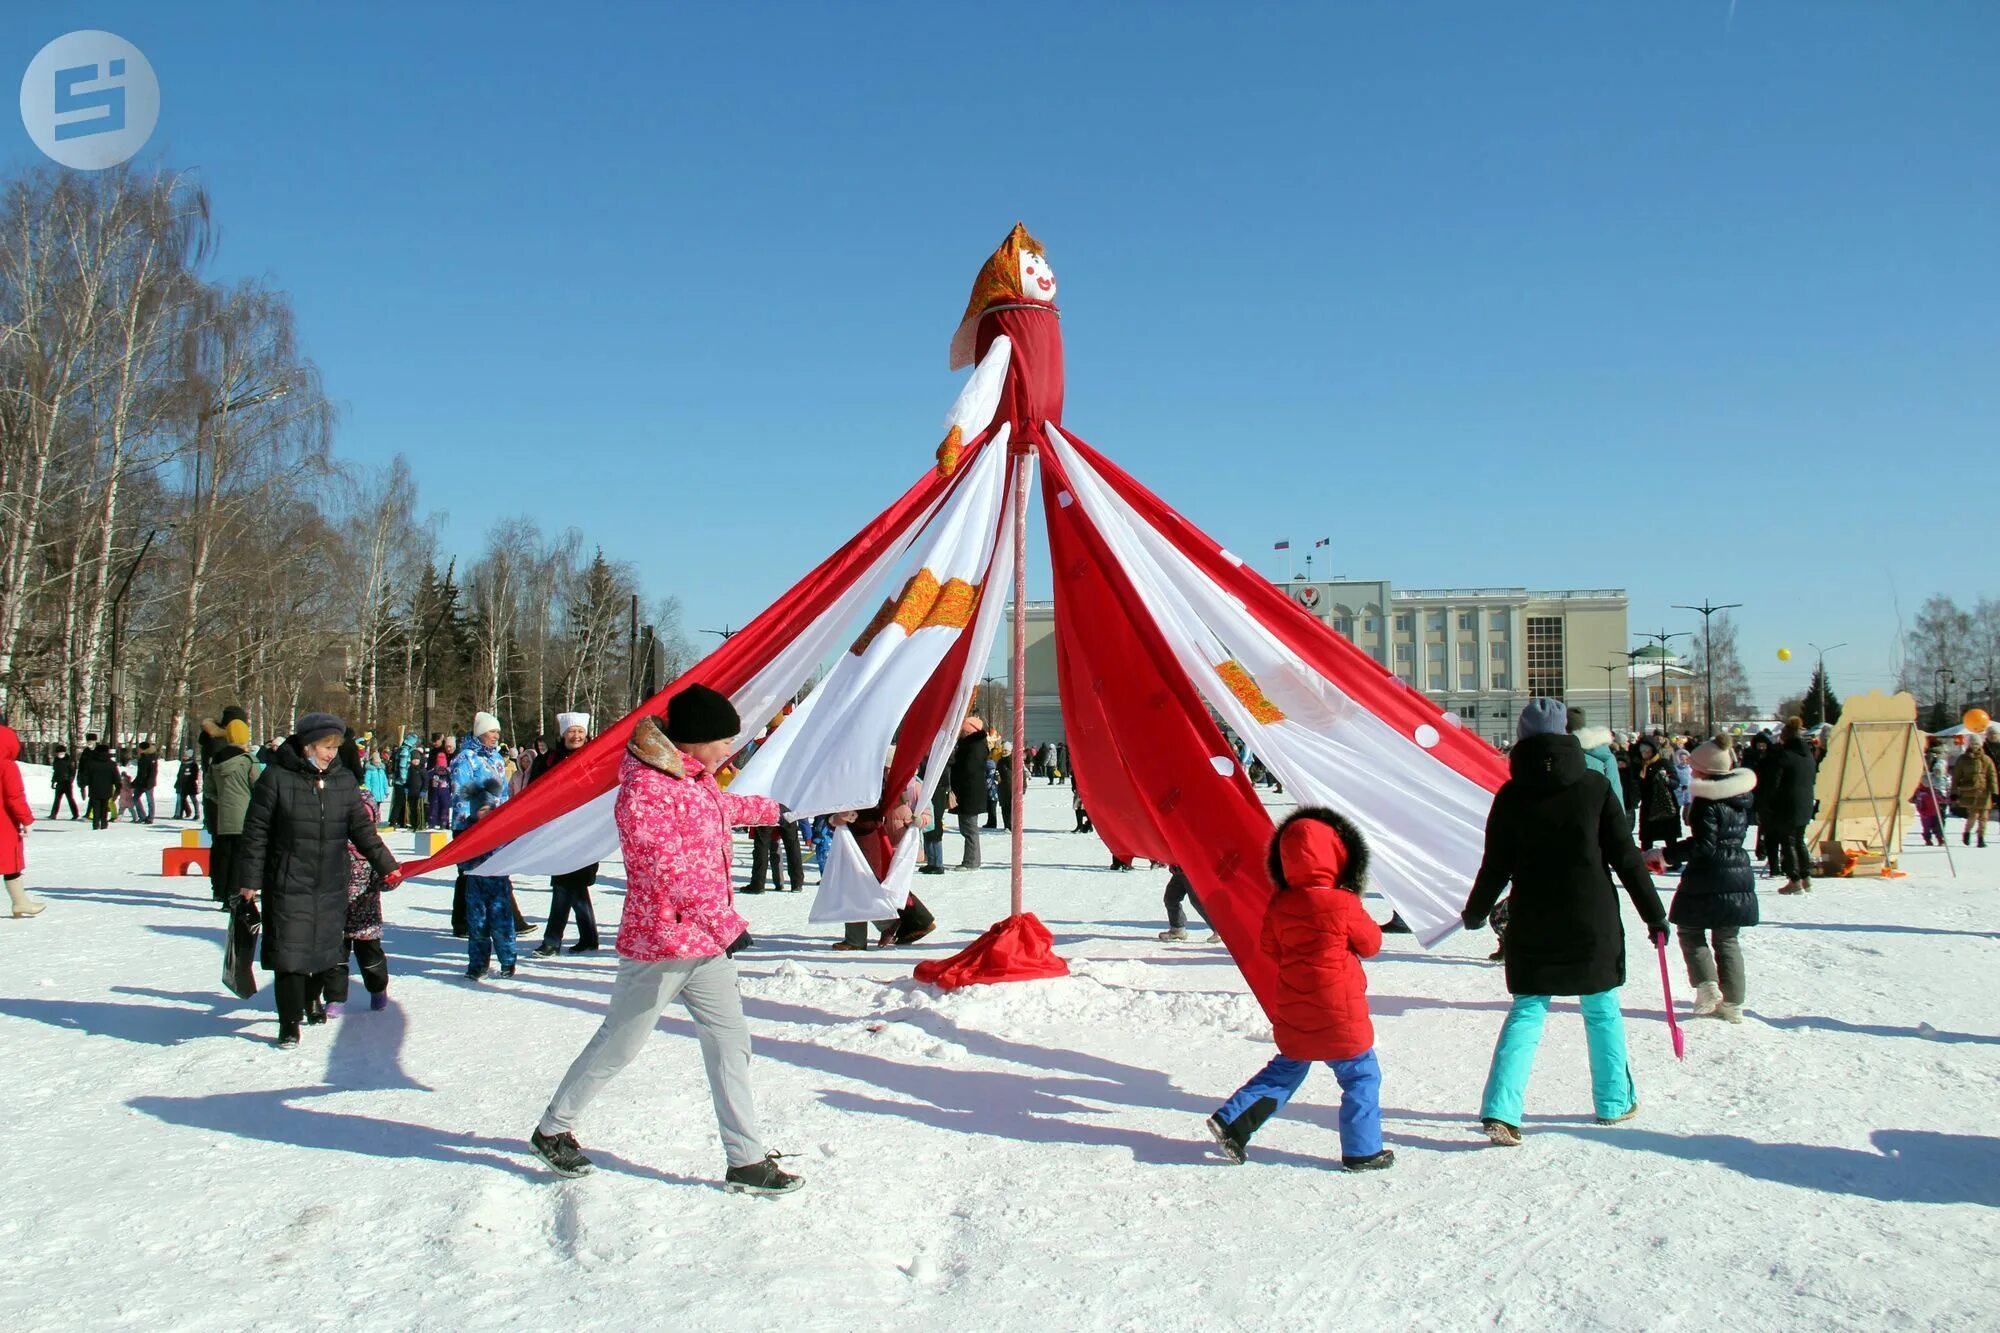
(564, 721)
(483, 723)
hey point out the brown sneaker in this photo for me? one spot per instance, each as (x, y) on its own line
(1501, 1134)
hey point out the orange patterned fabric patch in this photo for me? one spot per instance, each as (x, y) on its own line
(920, 594)
(1244, 686)
(879, 623)
(956, 603)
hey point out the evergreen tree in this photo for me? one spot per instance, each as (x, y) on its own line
(1820, 688)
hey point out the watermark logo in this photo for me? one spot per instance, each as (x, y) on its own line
(89, 99)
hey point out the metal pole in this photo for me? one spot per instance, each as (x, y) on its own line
(1708, 652)
(1018, 668)
(117, 623)
(1822, 675)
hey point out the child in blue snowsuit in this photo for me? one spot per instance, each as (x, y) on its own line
(1317, 933)
(479, 785)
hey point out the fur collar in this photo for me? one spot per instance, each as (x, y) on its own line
(1591, 738)
(1733, 783)
(650, 746)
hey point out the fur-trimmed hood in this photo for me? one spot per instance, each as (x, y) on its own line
(650, 746)
(1720, 788)
(1592, 738)
(1353, 875)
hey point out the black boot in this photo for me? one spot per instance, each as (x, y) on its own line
(1380, 1161)
(288, 1036)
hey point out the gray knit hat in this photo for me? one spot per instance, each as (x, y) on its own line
(1543, 717)
(318, 726)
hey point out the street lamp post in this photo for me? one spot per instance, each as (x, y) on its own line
(1662, 639)
(1708, 653)
(1822, 675)
(117, 628)
(1944, 678)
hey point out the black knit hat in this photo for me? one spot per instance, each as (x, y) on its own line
(318, 726)
(699, 714)
(235, 713)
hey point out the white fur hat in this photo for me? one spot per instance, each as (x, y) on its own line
(483, 723)
(564, 721)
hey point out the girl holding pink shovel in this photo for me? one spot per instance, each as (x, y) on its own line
(1554, 829)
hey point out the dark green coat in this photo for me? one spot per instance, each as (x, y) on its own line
(294, 853)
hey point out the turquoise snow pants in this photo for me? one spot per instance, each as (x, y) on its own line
(1514, 1057)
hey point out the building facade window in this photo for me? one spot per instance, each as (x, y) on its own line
(1468, 620)
(1468, 680)
(1406, 622)
(1545, 656)
(1405, 652)
(1499, 622)
(1435, 621)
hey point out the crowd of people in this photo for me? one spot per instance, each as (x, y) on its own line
(297, 858)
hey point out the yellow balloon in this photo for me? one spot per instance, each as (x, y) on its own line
(1975, 719)
(1784, 654)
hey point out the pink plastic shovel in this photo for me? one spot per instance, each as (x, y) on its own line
(1667, 990)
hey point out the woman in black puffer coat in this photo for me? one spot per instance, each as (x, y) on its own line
(1718, 891)
(305, 811)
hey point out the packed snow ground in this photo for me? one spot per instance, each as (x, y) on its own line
(1026, 1156)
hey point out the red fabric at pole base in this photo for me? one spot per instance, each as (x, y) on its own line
(1017, 949)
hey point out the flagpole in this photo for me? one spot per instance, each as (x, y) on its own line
(1019, 665)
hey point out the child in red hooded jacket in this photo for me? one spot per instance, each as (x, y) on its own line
(1318, 933)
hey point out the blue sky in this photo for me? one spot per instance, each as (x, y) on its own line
(1567, 295)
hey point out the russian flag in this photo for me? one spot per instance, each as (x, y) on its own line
(1282, 546)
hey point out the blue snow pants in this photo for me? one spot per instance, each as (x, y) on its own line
(1514, 1057)
(1360, 1098)
(489, 921)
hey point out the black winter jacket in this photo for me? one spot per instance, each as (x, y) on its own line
(62, 772)
(1553, 829)
(1718, 887)
(965, 771)
(146, 773)
(98, 772)
(294, 852)
(1792, 770)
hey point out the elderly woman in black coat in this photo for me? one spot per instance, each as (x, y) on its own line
(1717, 896)
(305, 811)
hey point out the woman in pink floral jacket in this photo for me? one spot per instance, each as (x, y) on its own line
(678, 933)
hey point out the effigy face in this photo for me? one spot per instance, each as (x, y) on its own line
(1038, 280)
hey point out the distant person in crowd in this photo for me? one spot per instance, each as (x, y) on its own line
(232, 776)
(145, 778)
(399, 784)
(306, 810)
(208, 741)
(678, 934)
(1717, 895)
(934, 830)
(1181, 889)
(878, 833)
(967, 770)
(1659, 800)
(417, 789)
(1596, 743)
(1083, 824)
(62, 781)
(187, 788)
(1316, 933)
(1793, 771)
(992, 784)
(1554, 828)
(1930, 811)
(1758, 761)
(375, 780)
(100, 777)
(479, 787)
(570, 891)
(16, 816)
(1973, 784)
(439, 813)
(128, 802)
(1004, 784)
(362, 937)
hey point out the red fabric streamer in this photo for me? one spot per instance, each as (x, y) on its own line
(593, 770)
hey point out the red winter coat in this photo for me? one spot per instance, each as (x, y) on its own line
(15, 816)
(1317, 932)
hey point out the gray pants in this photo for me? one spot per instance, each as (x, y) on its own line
(707, 987)
(1724, 961)
(968, 827)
